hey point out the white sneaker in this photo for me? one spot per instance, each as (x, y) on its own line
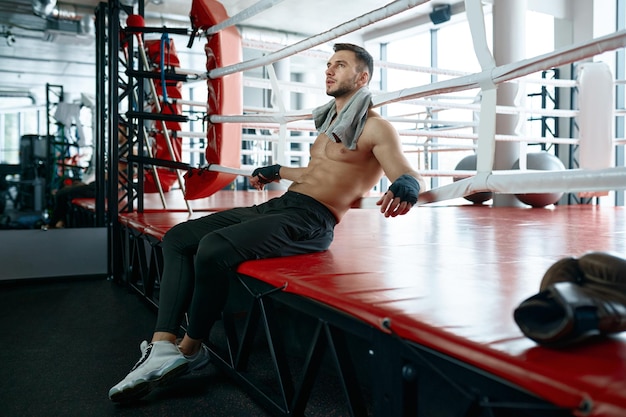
(196, 362)
(160, 362)
(199, 360)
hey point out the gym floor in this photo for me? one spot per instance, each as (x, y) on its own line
(60, 356)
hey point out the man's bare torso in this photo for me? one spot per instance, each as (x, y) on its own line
(337, 176)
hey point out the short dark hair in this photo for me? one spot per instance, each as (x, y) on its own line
(361, 55)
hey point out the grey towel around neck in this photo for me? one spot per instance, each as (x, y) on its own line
(349, 123)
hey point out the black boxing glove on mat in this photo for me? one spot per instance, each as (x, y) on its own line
(578, 299)
(406, 188)
(267, 174)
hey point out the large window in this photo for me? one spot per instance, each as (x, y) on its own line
(17, 118)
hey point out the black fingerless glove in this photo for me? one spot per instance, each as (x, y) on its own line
(267, 174)
(406, 188)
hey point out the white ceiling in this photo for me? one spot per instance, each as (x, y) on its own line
(32, 55)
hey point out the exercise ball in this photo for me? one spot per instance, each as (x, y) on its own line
(542, 161)
(469, 164)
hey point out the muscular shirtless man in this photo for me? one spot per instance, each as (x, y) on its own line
(200, 256)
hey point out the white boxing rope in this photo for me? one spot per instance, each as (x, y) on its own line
(275, 139)
(256, 82)
(500, 109)
(531, 181)
(457, 174)
(498, 137)
(535, 139)
(251, 152)
(291, 86)
(355, 24)
(510, 71)
(430, 102)
(247, 171)
(188, 134)
(228, 170)
(263, 123)
(306, 114)
(192, 75)
(438, 133)
(258, 110)
(440, 123)
(248, 136)
(272, 116)
(322, 55)
(419, 69)
(297, 127)
(263, 118)
(554, 82)
(440, 147)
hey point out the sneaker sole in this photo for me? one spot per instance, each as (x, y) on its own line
(198, 367)
(144, 388)
(193, 367)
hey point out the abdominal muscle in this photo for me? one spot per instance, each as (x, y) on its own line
(336, 176)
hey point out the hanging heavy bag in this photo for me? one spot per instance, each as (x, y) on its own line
(578, 299)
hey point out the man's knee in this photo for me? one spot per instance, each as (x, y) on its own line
(177, 237)
(216, 252)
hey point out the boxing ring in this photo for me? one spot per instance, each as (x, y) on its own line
(412, 315)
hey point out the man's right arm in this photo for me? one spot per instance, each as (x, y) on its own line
(406, 182)
(291, 173)
(273, 173)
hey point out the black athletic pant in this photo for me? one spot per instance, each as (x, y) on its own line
(200, 256)
(63, 199)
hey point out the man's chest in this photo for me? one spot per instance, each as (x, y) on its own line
(325, 148)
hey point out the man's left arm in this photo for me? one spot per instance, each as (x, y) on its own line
(406, 183)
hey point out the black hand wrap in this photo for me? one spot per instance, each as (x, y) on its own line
(267, 174)
(406, 188)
